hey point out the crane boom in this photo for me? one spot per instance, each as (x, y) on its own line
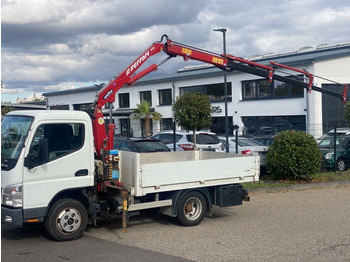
(173, 49)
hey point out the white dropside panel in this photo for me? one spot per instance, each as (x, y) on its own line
(162, 172)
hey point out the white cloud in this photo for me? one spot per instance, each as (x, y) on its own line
(59, 48)
(34, 11)
(46, 43)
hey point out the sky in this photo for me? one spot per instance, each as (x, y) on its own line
(55, 45)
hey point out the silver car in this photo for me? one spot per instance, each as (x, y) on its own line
(184, 140)
(246, 146)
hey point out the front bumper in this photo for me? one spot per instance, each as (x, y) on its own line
(327, 163)
(11, 216)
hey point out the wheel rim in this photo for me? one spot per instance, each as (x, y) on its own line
(68, 221)
(193, 208)
(341, 165)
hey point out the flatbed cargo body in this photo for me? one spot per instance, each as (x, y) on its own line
(145, 173)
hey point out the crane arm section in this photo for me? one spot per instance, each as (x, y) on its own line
(225, 62)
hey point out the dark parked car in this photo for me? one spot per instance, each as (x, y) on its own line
(342, 151)
(140, 145)
(339, 131)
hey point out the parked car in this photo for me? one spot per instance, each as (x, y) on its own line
(265, 140)
(139, 145)
(184, 140)
(247, 146)
(339, 131)
(342, 152)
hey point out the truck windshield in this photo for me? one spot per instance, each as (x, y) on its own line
(14, 130)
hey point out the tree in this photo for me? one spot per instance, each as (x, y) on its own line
(192, 111)
(144, 111)
(293, 155)
(5, 110)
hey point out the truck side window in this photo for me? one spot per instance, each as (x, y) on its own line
(62, 139)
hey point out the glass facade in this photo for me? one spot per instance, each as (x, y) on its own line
(333, 108)
(272, 125)
(262, 89)
(215, 92)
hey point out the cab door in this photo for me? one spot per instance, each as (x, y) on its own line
(69, 163)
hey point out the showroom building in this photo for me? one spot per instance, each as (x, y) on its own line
(255, 105)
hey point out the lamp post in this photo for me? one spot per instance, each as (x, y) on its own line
(223, 31)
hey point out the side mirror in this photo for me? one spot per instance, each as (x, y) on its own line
(35, 160)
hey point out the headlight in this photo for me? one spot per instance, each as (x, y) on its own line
(13, 195)
(329, 155)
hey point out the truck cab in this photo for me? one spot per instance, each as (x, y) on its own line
(45, 156)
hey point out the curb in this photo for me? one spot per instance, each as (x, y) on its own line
(298, 187)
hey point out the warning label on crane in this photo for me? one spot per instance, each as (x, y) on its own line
(101, 121)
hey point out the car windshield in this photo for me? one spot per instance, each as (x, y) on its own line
(328, 142)
(150, 146)
(204, 139)
(167, 138)
(14, 130)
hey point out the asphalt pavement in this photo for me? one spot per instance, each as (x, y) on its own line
(298, 223)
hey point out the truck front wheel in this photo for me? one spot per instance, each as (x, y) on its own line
(66, 220)
(191, 209)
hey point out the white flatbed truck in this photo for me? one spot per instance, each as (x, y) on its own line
(50, 175)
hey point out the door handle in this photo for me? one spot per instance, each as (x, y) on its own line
(82, 172)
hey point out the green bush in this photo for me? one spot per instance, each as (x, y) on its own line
(293, 155)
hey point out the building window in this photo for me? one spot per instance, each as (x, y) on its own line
(249, 90)
(215, 92)
(166, 124)
(125, 129)
(124, 100)
(263, 89)
(271, 125)
(146, 96)
(296, 91)
(218, 125)
(333, 108)
(59, 107)
(280, 88)
(165, 97)
(83, 107)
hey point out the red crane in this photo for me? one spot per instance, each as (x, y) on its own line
(226, 62)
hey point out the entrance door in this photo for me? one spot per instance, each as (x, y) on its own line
(125, 127)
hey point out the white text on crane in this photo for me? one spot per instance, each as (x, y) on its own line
(137, 62)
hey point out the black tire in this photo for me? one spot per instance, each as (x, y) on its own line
(341, 166)
(191, 208)
(66, 220)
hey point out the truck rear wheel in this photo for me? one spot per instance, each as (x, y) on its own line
(191, 209)
(66, 220)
